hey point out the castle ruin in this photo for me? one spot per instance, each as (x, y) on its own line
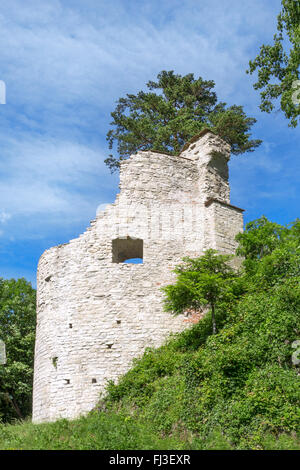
(96, 313)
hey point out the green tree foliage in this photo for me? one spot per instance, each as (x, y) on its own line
(17, 330)
(260, 238)
(278, 65)
(201, 282)
(240, 387)
(270, 250)
(174, 110)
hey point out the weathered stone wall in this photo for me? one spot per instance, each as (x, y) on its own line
(96, 314)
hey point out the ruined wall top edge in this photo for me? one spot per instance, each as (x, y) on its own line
(204, 145)
(170, 176)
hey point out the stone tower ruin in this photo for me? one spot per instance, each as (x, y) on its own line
(96, 313)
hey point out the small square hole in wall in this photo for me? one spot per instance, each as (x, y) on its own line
(118, 322)
(70, 325)
(67, 381)
(94, 381)
(127, 250)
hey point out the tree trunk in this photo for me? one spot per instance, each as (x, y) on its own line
(14, 405)
(213, 319)
(18, 411)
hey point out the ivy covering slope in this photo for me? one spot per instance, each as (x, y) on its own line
(241, 382)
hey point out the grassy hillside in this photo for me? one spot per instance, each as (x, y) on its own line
(238, 389)
(238, 386)
(234, 390)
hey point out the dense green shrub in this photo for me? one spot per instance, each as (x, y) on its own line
(240, 383)
(17, 330)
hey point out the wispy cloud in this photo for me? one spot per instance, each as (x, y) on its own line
(4, 217)
(58, 54)
(58, 182)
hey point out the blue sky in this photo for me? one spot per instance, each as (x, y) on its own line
(65, 63)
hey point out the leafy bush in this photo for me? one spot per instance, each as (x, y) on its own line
(17, 330)
(239, 384)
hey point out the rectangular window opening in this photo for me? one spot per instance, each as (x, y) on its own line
(127, 250)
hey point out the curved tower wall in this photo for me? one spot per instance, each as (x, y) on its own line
(95, 313)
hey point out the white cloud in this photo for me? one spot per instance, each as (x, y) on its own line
(102, 207)
(4, 217)
(56, 182)
(55, 55)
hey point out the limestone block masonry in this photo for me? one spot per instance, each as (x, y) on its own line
(96, 313)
